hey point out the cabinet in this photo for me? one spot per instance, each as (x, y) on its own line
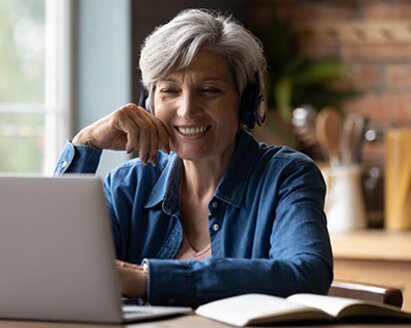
(374, 256)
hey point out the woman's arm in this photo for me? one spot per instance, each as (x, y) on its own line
(127, 128)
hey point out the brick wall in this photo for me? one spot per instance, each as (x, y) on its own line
(373, 37)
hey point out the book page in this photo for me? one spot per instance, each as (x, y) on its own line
(257, 308)
(346, 307)
(330, 304)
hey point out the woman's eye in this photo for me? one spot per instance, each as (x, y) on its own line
(169, 91)
(210, 90)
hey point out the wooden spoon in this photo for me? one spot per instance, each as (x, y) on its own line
(328, 131)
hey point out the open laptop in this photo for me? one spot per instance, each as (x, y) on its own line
(56, 253)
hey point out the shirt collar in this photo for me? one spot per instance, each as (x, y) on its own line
(231, 188)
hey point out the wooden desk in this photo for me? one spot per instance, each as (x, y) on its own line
(375, 256)
(190, 321)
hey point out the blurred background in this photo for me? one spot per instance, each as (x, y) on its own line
(63, 64)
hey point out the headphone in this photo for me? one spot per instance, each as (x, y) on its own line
(143, 98)
(253, 108)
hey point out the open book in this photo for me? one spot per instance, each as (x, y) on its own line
(252, 309)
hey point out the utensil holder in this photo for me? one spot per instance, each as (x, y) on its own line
(344, 203)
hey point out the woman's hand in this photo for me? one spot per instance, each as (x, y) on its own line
(128, 128)
(133, 279)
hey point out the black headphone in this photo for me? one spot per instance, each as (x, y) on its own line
(252, 107)
(143, 98)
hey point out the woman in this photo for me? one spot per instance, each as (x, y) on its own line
(219, 214)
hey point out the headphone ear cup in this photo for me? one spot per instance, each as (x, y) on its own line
(249, 106)
(252, 106)
(144, 99)
(147, 104)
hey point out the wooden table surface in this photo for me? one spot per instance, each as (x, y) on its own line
(188, 321)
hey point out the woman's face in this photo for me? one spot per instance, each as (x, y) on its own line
(199, 106)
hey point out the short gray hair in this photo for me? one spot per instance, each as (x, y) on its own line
(174, 45)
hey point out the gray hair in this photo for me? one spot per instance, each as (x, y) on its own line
(174, 45)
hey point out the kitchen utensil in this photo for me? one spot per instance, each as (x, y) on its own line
(398, 179)
(328, 131)
(353, 133)
(303, 120)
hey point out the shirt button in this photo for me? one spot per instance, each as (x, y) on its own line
(214, 204)
(216, 227)
(64, 164)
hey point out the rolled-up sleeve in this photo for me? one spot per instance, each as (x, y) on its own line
(192, 283)
(77, 159)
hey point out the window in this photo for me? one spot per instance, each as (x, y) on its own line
(34, 83)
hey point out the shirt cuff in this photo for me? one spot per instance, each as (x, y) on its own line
(169, 282)
(78, 159)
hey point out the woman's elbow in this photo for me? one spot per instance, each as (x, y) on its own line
(318, 276)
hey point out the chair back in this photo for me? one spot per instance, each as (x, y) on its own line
(368, 292)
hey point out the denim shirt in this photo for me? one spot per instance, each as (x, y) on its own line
(267, 227)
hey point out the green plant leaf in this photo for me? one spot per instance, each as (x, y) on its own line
(283, 95)
(320, 72)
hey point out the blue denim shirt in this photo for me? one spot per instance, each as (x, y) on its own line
(267, 227)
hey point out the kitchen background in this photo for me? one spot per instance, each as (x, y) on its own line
(373, 38)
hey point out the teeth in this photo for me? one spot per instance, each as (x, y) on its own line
(190, 132)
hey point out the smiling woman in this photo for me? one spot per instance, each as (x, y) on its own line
(206, 212)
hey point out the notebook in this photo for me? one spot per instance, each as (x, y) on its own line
(57, 255)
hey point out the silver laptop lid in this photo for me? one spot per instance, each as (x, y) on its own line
(56, 250)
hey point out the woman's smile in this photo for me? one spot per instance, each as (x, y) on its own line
(192, 131)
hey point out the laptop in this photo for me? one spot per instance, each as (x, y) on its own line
(57, 253)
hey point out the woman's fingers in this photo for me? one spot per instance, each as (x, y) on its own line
(133, 279)
(146, 140)
(129, 127)
(122, 264)
(162, 134)
(143, 131)
(159, 139)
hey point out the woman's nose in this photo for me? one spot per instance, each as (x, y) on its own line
(189, 106)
